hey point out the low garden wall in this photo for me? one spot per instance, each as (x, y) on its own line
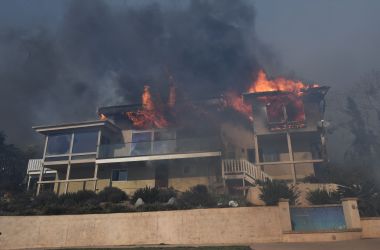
(216, 226)
(187, 227)
(370, 227)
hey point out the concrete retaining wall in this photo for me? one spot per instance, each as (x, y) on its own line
(370, 227)
(201, 226)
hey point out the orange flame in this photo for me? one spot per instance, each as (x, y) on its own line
(263, 84)
(236, 102)
(102, 117)
(149, 116)
(147, 99)
(172, 96)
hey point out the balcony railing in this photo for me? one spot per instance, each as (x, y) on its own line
(161, 147)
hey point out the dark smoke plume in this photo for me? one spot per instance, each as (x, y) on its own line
(104, 55)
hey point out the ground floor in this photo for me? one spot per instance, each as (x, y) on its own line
(180, 174)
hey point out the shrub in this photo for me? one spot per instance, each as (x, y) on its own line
(79, 197)
(112, 194)
(224, 199)
(273, 191)
(322, 196)
(147, 194)
(197, 196)
(368, 197)
(44, 199)
(16, 204)
(164, 194)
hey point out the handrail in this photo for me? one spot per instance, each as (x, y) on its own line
(233, 166)
(159, 147)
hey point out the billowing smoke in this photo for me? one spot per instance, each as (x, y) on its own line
(103, 54)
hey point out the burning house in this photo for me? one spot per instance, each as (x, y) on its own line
(273, 131)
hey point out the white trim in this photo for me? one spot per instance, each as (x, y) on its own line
(158, 157)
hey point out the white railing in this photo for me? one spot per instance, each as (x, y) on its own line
(35, 167)
(242, 166)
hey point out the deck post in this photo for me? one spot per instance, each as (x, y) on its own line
(244, 184)
(43, 166)
(69, 164)
(28, 185)
(95, 176)
(291, 158)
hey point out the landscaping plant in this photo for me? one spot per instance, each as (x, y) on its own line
(273, 191)
(322, 196)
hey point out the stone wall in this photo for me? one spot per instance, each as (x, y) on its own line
(370, 227)
(190, 227)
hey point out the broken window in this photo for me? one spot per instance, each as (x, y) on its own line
(284, 109)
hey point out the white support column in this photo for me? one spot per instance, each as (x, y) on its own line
(97, 156)
(257, 155)
(43, 166)
(291, 158)
(28, 185)
(95, 176)
(69, 163)
(244, 184)
(67, 177)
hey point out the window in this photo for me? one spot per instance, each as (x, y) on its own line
(287, 107)
(141, 143)
(153, 142)
(85, 142)
(58, 144)
(271, 155)
(119, 175)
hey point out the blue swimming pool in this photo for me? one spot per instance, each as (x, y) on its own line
(317, 218)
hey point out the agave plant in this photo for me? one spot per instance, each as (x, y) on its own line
(322, 196)
(273, 191)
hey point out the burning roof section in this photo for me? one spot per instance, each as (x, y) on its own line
(279, 95)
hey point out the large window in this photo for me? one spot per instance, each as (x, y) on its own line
(58, 144)
(85, 142)
(288, 108)
(141, 143)
(148, 142)
(119, 175)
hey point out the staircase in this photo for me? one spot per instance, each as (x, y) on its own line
(235, 169)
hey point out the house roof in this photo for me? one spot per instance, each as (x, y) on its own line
(69, 126)
(318, 91)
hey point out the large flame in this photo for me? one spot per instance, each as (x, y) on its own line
(263, 84)
(102, 117)
(236, 101)
(172, 96)
(150, 115)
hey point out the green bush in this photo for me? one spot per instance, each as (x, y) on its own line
(322, 196)
(17, 204)
(79, 197)
(273, 191)
(197, 196)
(164, 194)
(368, 197)
(224, 199)
(44, 199)
(147, 194)
(112, 194)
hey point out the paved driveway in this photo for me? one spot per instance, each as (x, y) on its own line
(369, 244)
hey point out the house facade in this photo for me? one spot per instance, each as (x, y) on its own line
(284, 141)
